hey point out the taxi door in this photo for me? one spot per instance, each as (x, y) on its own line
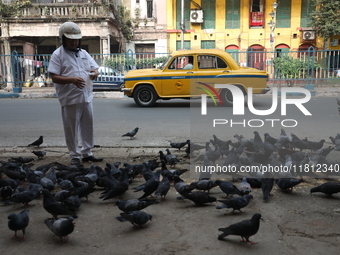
(177, 77)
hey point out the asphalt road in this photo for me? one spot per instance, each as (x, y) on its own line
(24, 120)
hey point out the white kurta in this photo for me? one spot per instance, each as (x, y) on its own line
(76, 103)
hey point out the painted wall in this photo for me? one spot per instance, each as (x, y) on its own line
(243, 37)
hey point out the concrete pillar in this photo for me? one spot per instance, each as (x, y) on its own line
(104, 43)
(7, 48)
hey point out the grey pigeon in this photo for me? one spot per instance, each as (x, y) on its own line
(267, 183)
(61, 227)
(287, 183)
(328, 188)
(180, 186)
(245, 228)
(237, 203)
(228, 188)
(163, 187)
(132, 133)
(199, 198)
(134, 204)
(53, 207)
(204, 185)
(24, 197)
(244, 186)
(179, 146)
(19, 222)
(137, 218)
(38, 142)
(39, 154)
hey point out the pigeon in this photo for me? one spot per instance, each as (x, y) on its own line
(53, 207)
(198, 197)
(163, 187)
(328, 188)
(61, 227)
(132, 133)
(204, 185)
(267, 183)
(18, 222)
(134, 204)
(24, 197)
(179, 146)
(39, 154)
(180, 186)
(245, 228)
(235, 202)
(150, 187)
(37, 142)
(244, 186)
(228, 187)
(171, 159)
(137, 218)
(287, 183)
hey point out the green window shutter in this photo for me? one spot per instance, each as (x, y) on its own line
(307, 7)
(208, 45)
(209, 9)
(232, 14)
(186, 14)
(187, 45)
(283, 13)
(234, 53)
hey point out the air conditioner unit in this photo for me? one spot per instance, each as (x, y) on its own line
(308, 35)
(196, 16)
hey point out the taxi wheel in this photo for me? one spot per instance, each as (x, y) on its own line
(145, 96)
(227, 97)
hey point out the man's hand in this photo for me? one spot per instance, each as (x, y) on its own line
(94, 74)
(79, 82)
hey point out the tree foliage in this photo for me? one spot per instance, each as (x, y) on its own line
(325, 20)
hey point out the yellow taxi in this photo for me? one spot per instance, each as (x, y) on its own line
(191, 73)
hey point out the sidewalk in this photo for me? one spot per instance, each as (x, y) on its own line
(49, 92)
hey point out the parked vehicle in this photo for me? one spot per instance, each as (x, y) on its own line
(190, 73)
(108, 79)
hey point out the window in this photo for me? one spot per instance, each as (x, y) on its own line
(149, 8)
(186, 14)
(283, 14)
(211, 62)
(182, 63)
(232, 14)
(209, 9)
(187, 45)
(256, 13)
(307, 7)
(208, 44)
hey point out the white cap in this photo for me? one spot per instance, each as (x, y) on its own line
(70, 30)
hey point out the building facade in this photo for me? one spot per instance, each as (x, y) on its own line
(240, 25)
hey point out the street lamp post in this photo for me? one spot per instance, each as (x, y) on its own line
(272, 25)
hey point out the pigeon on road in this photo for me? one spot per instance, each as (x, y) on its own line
(134, 204)
(235, 202)
(179, 146)
(245, 228)
(137, 218)
(287, 184)
(199, 198)
(328, 188)
(132, 133)
(38, 142)
(53, 207)
(18, 222)
(39, 154)
(61, 227)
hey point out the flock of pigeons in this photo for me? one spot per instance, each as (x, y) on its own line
(65, 187)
